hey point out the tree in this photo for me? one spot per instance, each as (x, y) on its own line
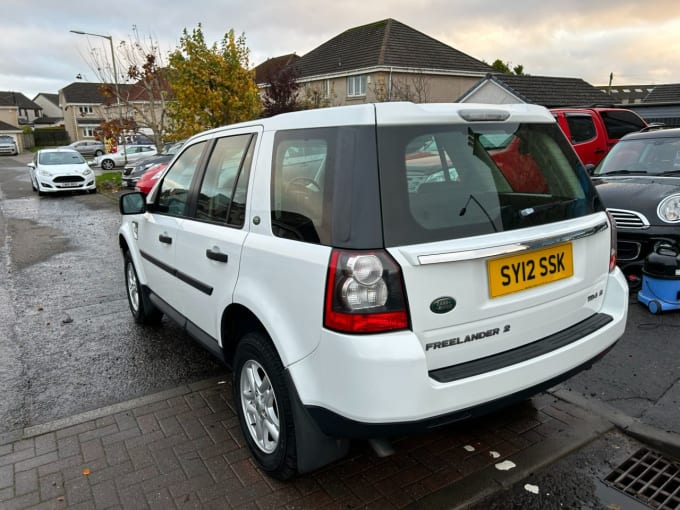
(281, 93)
(212, 86)
(504, 67)
(414, 87)
(142, 91)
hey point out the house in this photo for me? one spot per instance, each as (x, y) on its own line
(83, 109)
(661, 104)
(626, 94)
(51, 111)
(271, 66)
(548, 91)
(22, 111)
(386, 61)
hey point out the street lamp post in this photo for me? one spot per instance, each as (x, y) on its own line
(115, 81)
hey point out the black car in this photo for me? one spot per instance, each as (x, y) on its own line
(639, 183)
(133, 172)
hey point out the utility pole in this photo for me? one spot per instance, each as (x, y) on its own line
(115, 81)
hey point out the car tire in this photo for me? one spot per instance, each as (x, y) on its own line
(263, 405)
(142, 310)
(107, 164)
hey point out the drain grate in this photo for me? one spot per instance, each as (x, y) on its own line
(650, 478)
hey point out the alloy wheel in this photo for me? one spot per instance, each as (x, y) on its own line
(260, 408)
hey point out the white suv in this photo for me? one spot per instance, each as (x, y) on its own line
(375, 270)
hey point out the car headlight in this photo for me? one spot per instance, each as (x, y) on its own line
(44, 173)
(669, 209)
(87, 171)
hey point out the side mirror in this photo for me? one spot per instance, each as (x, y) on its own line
(31, 165)
(590, 168)
(132, 203)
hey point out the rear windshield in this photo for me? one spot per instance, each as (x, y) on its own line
(448, 182)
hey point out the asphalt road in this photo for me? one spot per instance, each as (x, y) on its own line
(67, 340)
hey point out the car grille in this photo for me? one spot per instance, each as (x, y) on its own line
(629, 219)
(68, 178)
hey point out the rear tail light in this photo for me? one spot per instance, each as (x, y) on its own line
(364, 293)
(612, 242)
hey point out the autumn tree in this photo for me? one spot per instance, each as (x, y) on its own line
(141, 96)
(281, 91)
(212, 86)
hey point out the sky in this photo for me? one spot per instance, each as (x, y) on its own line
(636, 41)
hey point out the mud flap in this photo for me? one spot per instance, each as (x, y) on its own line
(314, 448)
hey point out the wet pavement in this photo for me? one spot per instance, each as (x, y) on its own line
(183, 449)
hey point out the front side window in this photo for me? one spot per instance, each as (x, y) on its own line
(356, 86)
(173, 193)
(222, 195)
(581, 127)
(448, 182)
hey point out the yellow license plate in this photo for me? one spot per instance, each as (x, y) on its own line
(530, 269)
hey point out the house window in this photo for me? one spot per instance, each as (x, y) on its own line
(85, 110)
(89, 132)
(356, 86)
(327, 89)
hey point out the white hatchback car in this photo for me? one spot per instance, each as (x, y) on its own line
(53, 170)
(357, 293)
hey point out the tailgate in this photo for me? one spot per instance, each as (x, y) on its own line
(476, 297)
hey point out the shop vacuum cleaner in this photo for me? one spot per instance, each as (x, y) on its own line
(660, 290)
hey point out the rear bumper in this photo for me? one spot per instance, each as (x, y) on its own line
(379, 385)
(335, 425)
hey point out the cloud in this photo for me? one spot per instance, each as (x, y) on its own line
(637, 41)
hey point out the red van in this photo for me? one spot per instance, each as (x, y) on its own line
(594, 131)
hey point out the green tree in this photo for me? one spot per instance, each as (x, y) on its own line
(211, 86)
(504, 67)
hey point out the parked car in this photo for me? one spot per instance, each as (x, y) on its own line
(8, 145)
(130, 153)
(53, 170)
(150, 178)
(350, 303)
(639, 182)
(134, 171)
(92, 148)
(594, 131)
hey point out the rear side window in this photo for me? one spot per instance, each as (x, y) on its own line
(621, 122)
(581, 127)
(324, 187)
(448, 182)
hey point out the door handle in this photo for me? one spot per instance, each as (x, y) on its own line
(164, 238)
(598, 151)
(217, 255)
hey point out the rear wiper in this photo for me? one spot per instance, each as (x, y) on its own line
(671, 172)
(622, 172)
